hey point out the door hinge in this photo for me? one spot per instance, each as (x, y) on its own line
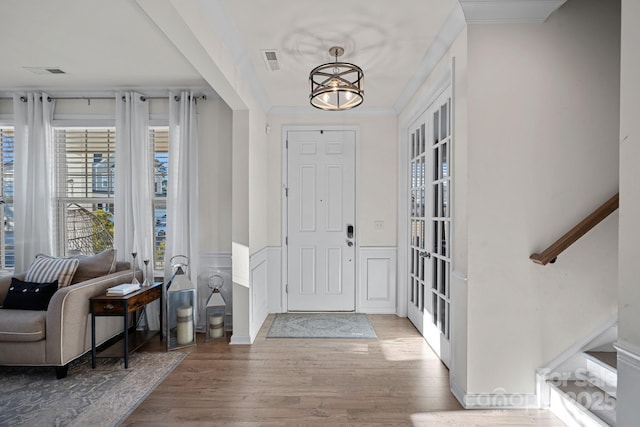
(286, 240)
(286, 288)
(286, 192)
(286, 144)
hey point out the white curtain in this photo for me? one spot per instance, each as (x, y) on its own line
(34, 179)
(134, 187)
(182, 191)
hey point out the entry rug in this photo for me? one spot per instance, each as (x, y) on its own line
(321, 325)
(105, 396)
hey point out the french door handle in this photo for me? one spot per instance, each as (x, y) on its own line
(425, 254)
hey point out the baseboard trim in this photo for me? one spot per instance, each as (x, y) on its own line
(497, 400)
(378, 311)
(501, 401)
(457, 391)
(236, 340)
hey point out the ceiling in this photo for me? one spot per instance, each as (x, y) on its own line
(113, 44)
(116, 44)
(387, 41)
(99, 44)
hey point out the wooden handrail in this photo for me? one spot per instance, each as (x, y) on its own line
(550, 254)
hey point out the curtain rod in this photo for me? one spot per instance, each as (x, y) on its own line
(89, 98)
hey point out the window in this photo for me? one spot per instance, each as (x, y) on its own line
(7, 250)
(160, 143)
(86, 184)
(85, 191)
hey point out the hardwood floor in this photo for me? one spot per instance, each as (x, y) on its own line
(395, 380)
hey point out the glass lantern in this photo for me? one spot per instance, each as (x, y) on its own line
(180, 308)
(216, 308)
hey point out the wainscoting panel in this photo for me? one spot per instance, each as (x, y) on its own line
(376, 287)
(275, 288)
(258, 304)
(628, 384)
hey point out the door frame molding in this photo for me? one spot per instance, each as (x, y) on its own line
(441, 84)
(284, 204)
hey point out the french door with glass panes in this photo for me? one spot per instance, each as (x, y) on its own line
(430, 224)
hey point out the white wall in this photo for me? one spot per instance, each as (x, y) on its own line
(214, 123)
(258, 181)
(629, 176)
(629, 291)
(542, 154)
(455, 58)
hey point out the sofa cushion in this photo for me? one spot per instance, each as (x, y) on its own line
(92, 266)
(46, 269)
(29, 296)
(22, 325)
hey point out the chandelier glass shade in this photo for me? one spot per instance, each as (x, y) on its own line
(336, 86)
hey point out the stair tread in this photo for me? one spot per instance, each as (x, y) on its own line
(607, 357)
(591, 397)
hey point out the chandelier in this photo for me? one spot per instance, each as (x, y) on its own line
(336, 86)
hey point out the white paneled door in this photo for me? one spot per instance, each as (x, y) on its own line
(430, 225)
(321, 229)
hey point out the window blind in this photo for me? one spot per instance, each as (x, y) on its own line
(85, 162)
(7, 249)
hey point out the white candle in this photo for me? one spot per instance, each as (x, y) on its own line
(185, 325)
(216, 329)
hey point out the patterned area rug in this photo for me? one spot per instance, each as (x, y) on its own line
(321, 325)
(105, 396)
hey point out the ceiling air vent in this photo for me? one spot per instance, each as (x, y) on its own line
(44, 70)
(271, 60)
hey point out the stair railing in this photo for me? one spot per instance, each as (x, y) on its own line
(550, 254)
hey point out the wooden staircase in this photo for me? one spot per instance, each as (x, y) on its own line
(587, 397)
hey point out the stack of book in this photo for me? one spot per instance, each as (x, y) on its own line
(124, 289)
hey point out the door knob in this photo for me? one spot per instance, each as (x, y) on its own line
(349, 243)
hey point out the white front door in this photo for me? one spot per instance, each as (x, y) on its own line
(430, 225)
(321, 229)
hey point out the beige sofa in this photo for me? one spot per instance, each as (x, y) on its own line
(62, 333)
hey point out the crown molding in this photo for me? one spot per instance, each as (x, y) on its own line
(508, 11)
(309, 111)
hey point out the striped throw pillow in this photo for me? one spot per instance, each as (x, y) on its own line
(46, 269)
